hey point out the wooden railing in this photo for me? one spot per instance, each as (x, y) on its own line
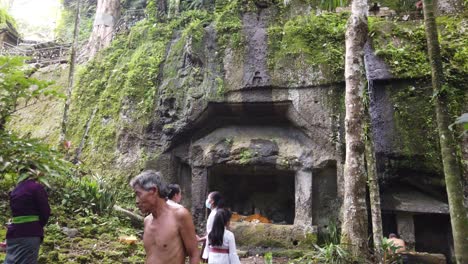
(60, 52)
(53, 54)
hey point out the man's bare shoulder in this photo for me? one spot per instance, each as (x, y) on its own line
(148, 218)
(181, 214)
(180, 211)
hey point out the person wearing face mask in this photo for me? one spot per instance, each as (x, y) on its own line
(213, 202)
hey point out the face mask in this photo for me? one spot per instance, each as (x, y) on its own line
(207, 204)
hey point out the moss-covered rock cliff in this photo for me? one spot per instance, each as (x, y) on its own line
(154, 80)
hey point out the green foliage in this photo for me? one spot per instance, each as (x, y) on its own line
(66, 22)
(220, 90)
(77, 194)
(389, 250)
(403, 46)
(228, 23)
(332, 234)
(122, 81)
(151, 10)
(268, 258)
(408, 100)
(454, 50)
(245, 156)
(17, 87)
(20, 153)
(97, 240)
(319, 38)
(6, 19)
(331, 253)
(194, 28)
(86, 195)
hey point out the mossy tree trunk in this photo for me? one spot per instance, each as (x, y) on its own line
(453, 179)
(107, 15)
(76, 159)
(373, 183)
(354, 224)
(71, 73)
(162, 8)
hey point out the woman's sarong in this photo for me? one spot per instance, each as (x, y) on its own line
(23, 250)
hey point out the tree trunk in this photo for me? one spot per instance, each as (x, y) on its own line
(354, 225)
(136, 219)
(173, 10)
(71, 73)
(373, 183)
(453, 179)
(85, 136)
(107, 15)
(162, 9)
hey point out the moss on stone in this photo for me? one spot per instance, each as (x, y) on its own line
(122, 83)
(42, 118)
(403, 46)
(6, 20)
(307, 45)
(228, 23)
(415, 124)
(270, 235)
(245, 156)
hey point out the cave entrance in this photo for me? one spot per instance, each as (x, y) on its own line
(256, 190)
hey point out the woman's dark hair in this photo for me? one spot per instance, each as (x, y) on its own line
(222, 217)
(173, 190)
(218, 200)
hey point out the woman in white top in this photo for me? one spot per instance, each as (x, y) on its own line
(221, 241)
(175, 195)
(213, 202)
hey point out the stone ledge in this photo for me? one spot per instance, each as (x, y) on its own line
(275, 236)
(424, 258)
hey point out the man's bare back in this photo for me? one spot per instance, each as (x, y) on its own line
(398, 243)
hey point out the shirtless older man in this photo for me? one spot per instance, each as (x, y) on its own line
(169, 233)
(397, 242)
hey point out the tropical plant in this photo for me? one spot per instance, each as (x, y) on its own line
(37, 159)
(268, 258)
(86, 195)
(389, 251)
(330, 253)
(18, 87)
(28, 156)
(333, 253)
(332, 234)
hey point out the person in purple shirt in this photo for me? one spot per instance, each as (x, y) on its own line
(30, 210)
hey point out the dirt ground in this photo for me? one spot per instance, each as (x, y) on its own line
(259, 260)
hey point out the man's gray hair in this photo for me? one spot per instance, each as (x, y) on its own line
(150, 179)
